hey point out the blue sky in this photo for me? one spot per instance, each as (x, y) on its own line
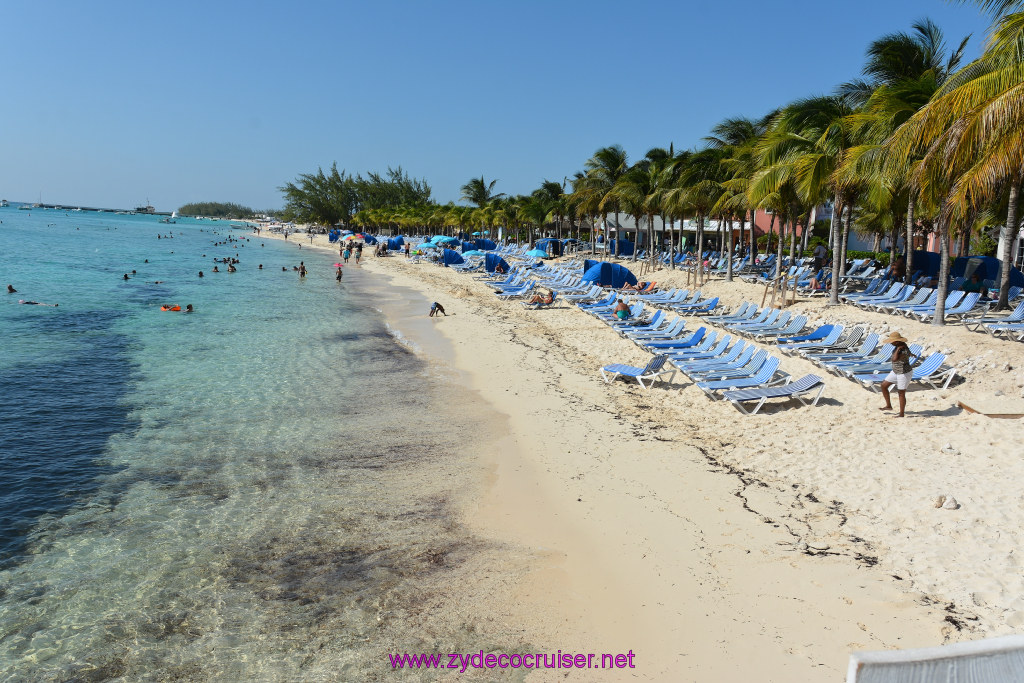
(112, 103)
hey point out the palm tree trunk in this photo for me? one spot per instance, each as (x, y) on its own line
(771, 229)
(743, 231)
(728, 264)
(846, 237)
(943, 289)
(792, 239)
(699, 268)
(618, 233)
(908, 241)
(893, 238)
(753, 236)
(650, 232)
(671, 229)
(837, 210)
(778, 247)
(1006, 235)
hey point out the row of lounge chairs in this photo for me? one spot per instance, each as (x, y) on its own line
(739, 373)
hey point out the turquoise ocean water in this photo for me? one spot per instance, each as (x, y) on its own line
(234, 494)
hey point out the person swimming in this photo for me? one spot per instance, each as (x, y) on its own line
(189, 309)
(36, 303)
(11, 289)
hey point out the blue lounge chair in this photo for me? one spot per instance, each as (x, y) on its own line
(960, 310)
(824, 335)
(693, 340)
(652, 371)
(986, 323)
(764, 378)
(929, 371)
(797, 389)
(695, 368)
(867, 347)
(541, 304)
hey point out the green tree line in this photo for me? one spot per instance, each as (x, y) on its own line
(336, 196)
(216, 210)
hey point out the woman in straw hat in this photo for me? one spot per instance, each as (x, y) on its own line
(902, 371)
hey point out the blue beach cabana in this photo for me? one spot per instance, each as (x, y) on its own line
(608, 274)
(395, 243)
(987, 268)
(625, 247)
(551, 246)
(450, 256)
(492, 261)
(485, 244)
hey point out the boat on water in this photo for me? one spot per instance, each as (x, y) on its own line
(4, 202)
(172, 219)
(148, 208)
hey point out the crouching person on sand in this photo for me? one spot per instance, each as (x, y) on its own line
(437, 309)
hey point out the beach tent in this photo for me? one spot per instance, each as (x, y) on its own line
(468, 246)
(609, 275)
(551, 246)
(450, 256)
(987, 268)
(927, 262)
(395, 243)
(333, 236)
(625, 247)
(369, 239)
(491, 261)
(485, 244)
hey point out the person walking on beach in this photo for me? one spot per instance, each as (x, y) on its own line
(359, 253)
(901, 374)
(407, 250)
(820, 253)
(346, 254)
(337, 275)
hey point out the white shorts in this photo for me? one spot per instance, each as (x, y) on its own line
(901, 381)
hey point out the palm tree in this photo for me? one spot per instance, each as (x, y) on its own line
(698, 188)
(969, 139)
(905, 71)
(603, 171)
(738, 137)
(478, 191)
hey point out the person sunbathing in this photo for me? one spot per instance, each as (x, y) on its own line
(638, 287)
(541, 298)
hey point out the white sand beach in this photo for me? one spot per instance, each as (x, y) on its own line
(714, 545)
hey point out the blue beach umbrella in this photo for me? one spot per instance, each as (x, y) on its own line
(477, 232)
(473, 252)
(537, 253)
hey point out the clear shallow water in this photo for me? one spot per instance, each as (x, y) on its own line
(242, 492)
